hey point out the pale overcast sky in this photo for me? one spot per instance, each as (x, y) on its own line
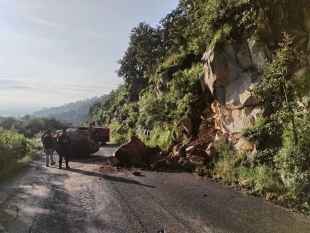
(57, 51)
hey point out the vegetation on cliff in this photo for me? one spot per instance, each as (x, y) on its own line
(162, 89)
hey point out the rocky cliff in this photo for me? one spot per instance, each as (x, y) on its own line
(232, 69)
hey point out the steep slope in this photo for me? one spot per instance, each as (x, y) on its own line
(222, 75)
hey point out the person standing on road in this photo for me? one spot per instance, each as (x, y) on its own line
(48, 145)
(64, 147)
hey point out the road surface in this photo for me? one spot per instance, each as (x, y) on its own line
(83, 199)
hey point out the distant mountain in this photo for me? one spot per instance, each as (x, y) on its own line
(73, 112)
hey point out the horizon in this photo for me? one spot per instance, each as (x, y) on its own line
(54, 53)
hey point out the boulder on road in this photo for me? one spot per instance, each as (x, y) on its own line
(133, 150)
(83, 143)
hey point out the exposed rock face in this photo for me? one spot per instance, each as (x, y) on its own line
(231, 70)
(83, 143)
(136, 86)
(187, 125)
(163, 81)
(234, 120)
(165, 77)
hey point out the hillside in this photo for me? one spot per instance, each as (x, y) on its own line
(222, 87)
(73, 112)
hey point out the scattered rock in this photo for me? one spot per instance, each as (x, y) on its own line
(220, 136)
(211, 151)
(246, 183)
(190, 149)
(113, 161)
(181, 161)
(160, 163)
(194, 159)
(136, 173)
(244, 144)
(188, 164)
(178, 151)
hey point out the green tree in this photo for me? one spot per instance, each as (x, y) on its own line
(278, 86)
(144, 48)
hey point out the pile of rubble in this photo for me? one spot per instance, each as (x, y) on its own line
(136, 153)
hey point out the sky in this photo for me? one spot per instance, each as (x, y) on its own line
(61, 51)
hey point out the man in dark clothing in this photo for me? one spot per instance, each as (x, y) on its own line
(64, 147)
(48, 145)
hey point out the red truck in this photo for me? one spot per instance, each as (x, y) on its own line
(102, 133)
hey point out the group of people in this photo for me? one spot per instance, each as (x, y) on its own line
(64, 147)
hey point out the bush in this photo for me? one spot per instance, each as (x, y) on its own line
(224, 168)
(161, 135)
(15, 151)
(117, 137)
(266, 136)
(228, 168)
(269, 179)
(13, 143)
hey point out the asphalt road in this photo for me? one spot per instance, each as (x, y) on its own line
(83, 199)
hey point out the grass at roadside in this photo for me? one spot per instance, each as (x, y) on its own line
(267, 181)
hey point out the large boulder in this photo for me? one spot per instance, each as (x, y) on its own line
(83, 143)
(133, 150)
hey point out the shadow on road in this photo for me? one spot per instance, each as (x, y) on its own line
(93, 159)
(88, 173)
(125, 180)
(107, 177)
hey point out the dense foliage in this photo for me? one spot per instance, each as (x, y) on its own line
(15, 150)
(282, 138)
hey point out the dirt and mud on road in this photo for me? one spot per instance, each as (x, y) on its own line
(87, 198)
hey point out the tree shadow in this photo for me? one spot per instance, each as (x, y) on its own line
(107, 177)
(125, 180)
(89, 159)
(83, 172)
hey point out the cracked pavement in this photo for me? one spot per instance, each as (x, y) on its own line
(83, 199)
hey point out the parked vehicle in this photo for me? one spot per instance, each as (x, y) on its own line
(101, 133)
